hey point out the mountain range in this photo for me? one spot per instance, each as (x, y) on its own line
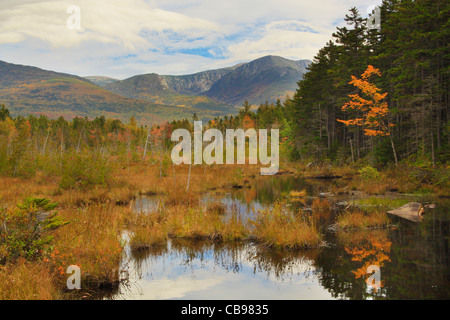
(30, 90)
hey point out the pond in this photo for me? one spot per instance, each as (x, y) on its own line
(413, 258)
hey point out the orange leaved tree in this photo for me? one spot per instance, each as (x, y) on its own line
(375, 117)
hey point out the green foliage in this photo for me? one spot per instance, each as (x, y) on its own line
(410, 51)
(4, 113)
(383, 152)
(25, 231)
(84, 171)
(237, 177)
(369, 173)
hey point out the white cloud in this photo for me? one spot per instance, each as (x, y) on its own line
(121, 38)
(291, 39)
(131, 24)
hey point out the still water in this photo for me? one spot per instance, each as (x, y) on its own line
(413, 257)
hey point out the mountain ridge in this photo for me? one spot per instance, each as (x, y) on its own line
(217, 92)
(265, 79)
(31, 90)
(261, 80)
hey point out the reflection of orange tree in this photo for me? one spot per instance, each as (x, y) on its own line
(250, 195)
(369, 247)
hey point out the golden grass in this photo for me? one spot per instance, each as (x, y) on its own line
(148, 236)
(321, 206)
(196, 224)
(27, 281)
(215, 207)
(359, 219)
(92, 242)
(280, 229)
(98, 218)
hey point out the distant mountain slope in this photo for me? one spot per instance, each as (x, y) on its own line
(181, 91)
(264, 79)
(30, 90)
(198, 83)
(211, 93)
(100, 80)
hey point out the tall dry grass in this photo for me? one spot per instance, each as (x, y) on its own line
(27, 281)
(280, 228)
(359, 219)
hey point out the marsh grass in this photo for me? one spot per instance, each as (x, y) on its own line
(98, 216)
(197, 224)
(92, 242)
(361, 220)
(147, 237)
(321, 206)
(216, 207)
(279, 228)
(26, 280)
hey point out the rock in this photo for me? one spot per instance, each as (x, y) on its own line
(412, 211)
(326, 194)
(342, 204)
(430, 206)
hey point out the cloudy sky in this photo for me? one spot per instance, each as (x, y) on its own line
(119, 38)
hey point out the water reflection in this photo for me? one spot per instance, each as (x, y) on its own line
(413, 260)
(202, 270)
(413, 257)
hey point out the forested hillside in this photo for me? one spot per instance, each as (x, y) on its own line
(411, 52)
(379, 96)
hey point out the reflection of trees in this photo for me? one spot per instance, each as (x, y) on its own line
(279, 264)
(414, 260)
(282, 263)
(369, 248)
(343, 267)
(140, 258)
(269, 190)
(419, 267)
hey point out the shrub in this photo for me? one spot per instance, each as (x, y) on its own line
(25, 232)
(369, 173)
(85, 171)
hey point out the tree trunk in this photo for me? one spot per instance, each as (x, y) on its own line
(146, 142)
(393, 147)
(351, 148)
(45, 143)
(189, 178)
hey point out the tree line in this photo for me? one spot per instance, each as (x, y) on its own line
(370, 95)
(411, 53)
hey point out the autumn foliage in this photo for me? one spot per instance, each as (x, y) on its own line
(372, 112)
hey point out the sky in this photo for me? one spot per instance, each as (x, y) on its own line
(123, 38)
